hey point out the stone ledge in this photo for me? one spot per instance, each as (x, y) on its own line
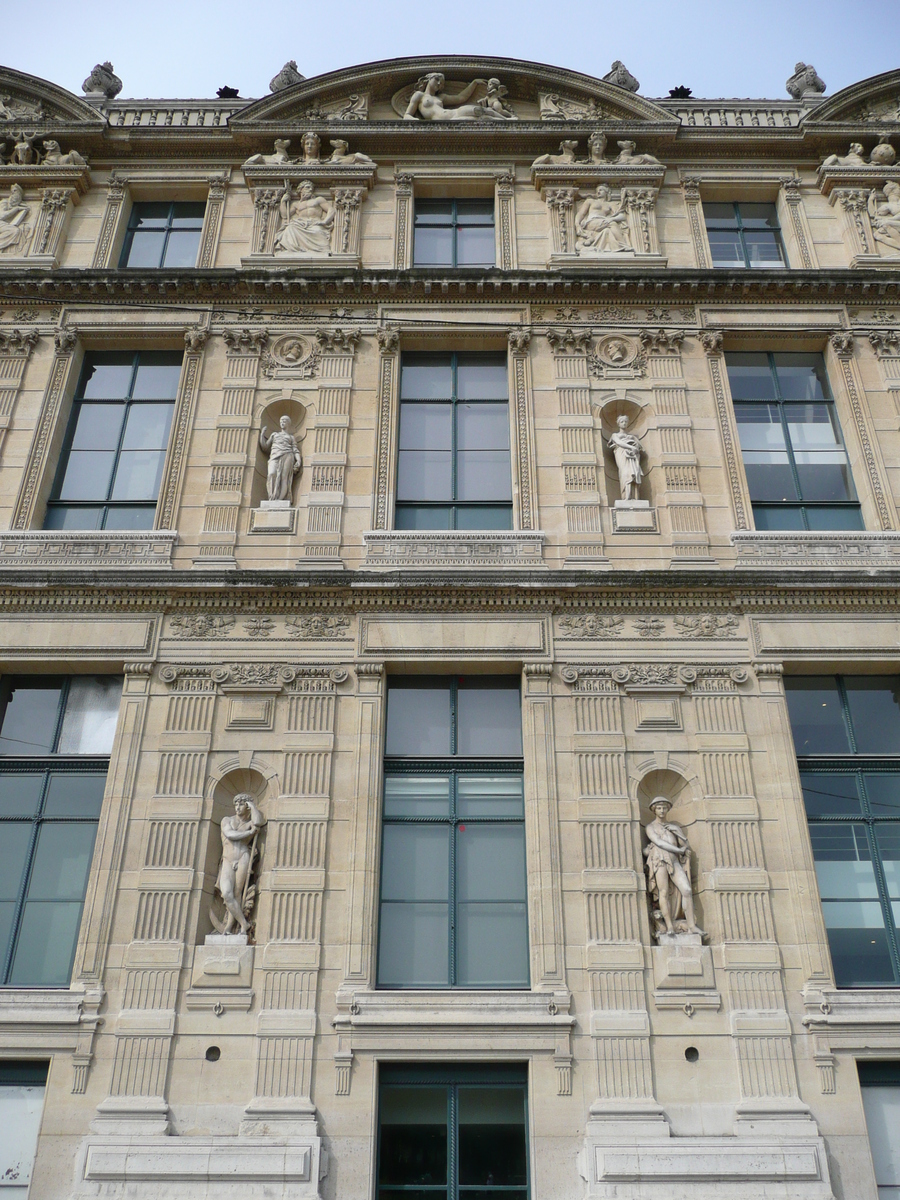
(201, 1160)
(744, 1162)
(840, 549)
(46, 549)
(434, 548)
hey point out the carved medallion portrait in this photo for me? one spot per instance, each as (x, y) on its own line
(291, 356)
(616, 351)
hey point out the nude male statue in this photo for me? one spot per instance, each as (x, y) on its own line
(238, 833)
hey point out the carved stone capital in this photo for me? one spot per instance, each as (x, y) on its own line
(403, 184)
(560, 197)
(519, 340)
(885, 342)
(842, 343)
(569, 341)
(246, 341)
(388, 340)
(65, 340)
(195, 340)
(711, 340)
(661, 341)
(18, 342)
(690, 188)
(338, 341)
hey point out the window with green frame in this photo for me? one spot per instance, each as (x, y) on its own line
(880, 1086)
(847, 737)
(453, 468)
(22, 1085)
(56, 734)
(163, 234)
(452, 1133)
(454, 233)
(744, 235)
(115, 448)
(797, 468)
(453, 911)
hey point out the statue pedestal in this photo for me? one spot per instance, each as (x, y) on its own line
(221, 974)
(273, 516)
(683, 972)
(634, 516)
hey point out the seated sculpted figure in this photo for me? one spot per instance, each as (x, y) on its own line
(885, 215)
(854, 157)
(669, 871)
(306, 222)
(628, 158)
(564, 158)
(496, 100)
(54, 157)
(601, 227)
(429, 102)
(14, 212)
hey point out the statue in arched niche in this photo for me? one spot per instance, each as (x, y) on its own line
(668, 868)
(240, 851)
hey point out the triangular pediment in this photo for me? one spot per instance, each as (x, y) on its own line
(376, 92)
(27, 102)
(874, 101)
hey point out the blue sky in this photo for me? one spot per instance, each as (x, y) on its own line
(189, 48)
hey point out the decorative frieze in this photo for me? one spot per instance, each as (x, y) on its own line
(425, 550)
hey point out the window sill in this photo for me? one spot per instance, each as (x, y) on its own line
(49, 549)
(800, 549)
(426, 549)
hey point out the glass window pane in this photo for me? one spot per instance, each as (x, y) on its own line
(21, 1107)
(490, 796)
(482, 426)
(71, 795)
(30, 716)
(781, 517)
(483, 475)
(46, 944)
(489, 719)
(426, 379)
(153, 214)
(181, 248)
(726, 248)
(814, 706)
(424, 475)
(157, 375)
(409, 516)
(13, 857)
(415, 862)
(826, 794)
(413, 1137)
(801, 376)
(20, 796)
(107, 376)
(492, 1136)
(434, 212)
(883, 792)
(98, 427)
(60, 517)
(482, 377)
(858, 943)
(759, 427)
(61, 861)
(147, 427)
(483, 518)
(130, 518)
(720, 214)
(138, 474)
(846, 517)
(887, 839)
(416, 795)
(87, 476)
(474, 212)
(882, 1109)
(763, 249)
(425, 427)
(824, 477)
(758, 216)
(490, 862)
(475, 246)
(413, 945)
(145, 249)
(812, 426)
(491, 945)
(7, 919)
(750, 377)
(769, 476)
(874, 703)
(418, 719)
(433, 247)
(188, 214)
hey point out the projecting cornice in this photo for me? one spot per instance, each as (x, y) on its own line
(35, 104)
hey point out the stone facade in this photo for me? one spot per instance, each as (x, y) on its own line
(258, 625)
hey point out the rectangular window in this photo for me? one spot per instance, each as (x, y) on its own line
(453, 469)
(454, 233)
(880, 1083)
(22, 1087)
(115, 447)
(744, 235)
(796, 464)
(163, 234)
(56, 735)
(452, 1133)
(453, 910)
(847, 737)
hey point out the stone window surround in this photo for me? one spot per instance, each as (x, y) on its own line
(125, 188)
(50, 427)
(867, 469)
(457, 181)
(781, 188)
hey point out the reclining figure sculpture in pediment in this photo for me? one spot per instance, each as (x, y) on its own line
(429, 102)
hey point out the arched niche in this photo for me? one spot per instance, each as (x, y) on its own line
(664, 781)
(608, 411)
(222, 789)
(269, 412)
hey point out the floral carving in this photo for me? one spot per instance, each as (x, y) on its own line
(255, 674)
(707, 625)
(590, 625)
(649, 627)
(201, 625)
(259, 627)
(649, 675)
(317, 626)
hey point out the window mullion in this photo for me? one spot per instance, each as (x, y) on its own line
(453, 1141)
(24, 882)
(126, 404)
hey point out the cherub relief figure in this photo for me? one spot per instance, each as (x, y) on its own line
(668, 870)
(306, 221)
(496, 100)
(601, 227)
(429, 102)
(885, 216)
